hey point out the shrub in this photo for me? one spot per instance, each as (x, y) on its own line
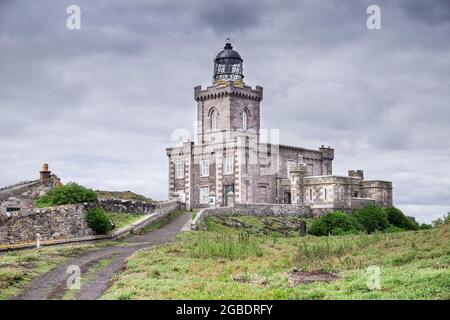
(425, 226)
(335, 223)
(399, 220)
(441, 221)
(66, 194)
(98, 220)
(372, 218)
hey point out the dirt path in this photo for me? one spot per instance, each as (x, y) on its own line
(98, 266)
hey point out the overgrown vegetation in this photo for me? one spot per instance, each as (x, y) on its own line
(414, 265)
(121, 220)
(98, 220)
(225, 246)
(442, 221)
(372, 218)
(369, 219)
(69, 193)
(335, 223)
(399, 220)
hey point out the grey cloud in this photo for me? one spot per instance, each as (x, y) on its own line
(100, 104)
(431, 12)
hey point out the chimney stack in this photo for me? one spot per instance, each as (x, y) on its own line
(45, 174)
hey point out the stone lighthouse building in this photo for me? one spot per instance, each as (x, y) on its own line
(233, 156)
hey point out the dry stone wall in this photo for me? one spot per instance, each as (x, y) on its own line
(68, 221)
(253, 209)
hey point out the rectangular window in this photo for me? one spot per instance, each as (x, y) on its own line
(179, 170)
(325, 194)
(204, 195)
(310, 194)
(205, 168)
(229, 165)
(289, 165)
(310, 169)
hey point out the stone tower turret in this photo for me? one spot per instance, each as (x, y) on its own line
(297, 175)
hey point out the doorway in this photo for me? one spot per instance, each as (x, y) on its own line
(227, 189)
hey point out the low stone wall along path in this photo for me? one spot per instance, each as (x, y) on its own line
(99, 266)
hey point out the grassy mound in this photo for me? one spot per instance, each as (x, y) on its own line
(123, 195)
(217, 264)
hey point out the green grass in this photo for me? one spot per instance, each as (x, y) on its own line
(122, 220)
(18, 268)
(161, 222)
(414, 265)
(225, 246)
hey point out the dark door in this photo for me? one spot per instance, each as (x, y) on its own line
(287, 197)
(227, 189)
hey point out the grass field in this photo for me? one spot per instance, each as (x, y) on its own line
(122, 220)
(226, 262)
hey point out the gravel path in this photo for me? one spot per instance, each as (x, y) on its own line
(96, 278)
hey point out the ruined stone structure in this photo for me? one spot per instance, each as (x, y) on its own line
(231, 157)
(19, 198)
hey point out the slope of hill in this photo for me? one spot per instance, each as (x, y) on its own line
(124, 195)
(229, 262)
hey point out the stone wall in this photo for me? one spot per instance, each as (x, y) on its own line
(128, 206)
(68, 221)
(253, 209)
(51, 223)
(362, 202)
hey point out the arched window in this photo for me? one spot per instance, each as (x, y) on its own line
(214, 120)
(245, 120)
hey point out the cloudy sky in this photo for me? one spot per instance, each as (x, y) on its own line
(100, 104)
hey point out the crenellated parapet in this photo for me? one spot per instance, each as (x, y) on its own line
(228, 89)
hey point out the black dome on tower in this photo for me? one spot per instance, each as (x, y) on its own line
(228, 65)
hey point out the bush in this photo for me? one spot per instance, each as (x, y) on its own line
(66, 194)
(372, 218)
(98, 220)
(441, 221)
(399, 220)
(425, 226)
(335, 223)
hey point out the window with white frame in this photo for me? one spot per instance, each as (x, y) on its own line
(204, 195)
(245, 120)
(289, 164)
(179, 170)
(205, 168)
(229, 165)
